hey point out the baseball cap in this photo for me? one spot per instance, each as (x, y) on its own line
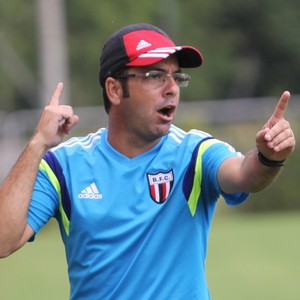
(142, 45)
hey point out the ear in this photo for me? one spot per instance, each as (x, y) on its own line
(113, 90)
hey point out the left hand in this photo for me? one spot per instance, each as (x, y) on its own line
(276, 140)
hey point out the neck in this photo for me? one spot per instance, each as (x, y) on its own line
(129, 146)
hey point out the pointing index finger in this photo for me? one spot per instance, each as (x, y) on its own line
(281, 106)
(57, 94)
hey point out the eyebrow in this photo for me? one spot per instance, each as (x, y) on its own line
(149, 68)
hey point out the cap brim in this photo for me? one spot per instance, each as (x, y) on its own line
(188, 57)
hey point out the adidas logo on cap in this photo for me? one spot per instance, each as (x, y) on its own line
(142, 44)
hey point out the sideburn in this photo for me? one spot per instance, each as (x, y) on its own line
(124, 85)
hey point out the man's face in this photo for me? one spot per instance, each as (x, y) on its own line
(150, 108)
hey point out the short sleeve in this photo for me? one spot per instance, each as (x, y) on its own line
(44, 202)
(212, 160)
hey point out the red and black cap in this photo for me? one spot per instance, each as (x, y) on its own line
(142, 45)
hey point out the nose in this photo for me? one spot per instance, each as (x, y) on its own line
(171, 88)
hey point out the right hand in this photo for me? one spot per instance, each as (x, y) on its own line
(56, 121)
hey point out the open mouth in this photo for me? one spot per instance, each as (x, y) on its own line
(167, 111)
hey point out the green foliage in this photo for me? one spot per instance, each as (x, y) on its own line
(251, 48)
(18, 30)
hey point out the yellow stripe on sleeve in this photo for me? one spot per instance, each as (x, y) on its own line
(196, 189)
(54, 181)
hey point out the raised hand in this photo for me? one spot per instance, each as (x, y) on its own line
(56, 121)
(276, 140)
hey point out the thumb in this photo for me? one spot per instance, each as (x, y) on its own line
(70, 123)
(260, 136)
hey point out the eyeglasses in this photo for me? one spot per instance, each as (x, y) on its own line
(159, 78)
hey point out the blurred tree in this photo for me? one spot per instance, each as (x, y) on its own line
(264, 41)
(250, 48)
(17, 31)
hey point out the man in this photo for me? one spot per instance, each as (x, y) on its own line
(135, 200)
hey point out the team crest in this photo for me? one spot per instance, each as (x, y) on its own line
(160, 185)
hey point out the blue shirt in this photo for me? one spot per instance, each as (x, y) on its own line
(133, 228)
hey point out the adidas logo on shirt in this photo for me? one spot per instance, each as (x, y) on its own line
(90, 192)
(142, 44)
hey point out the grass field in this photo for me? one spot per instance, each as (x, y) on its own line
(251, 256)
(255, 257)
